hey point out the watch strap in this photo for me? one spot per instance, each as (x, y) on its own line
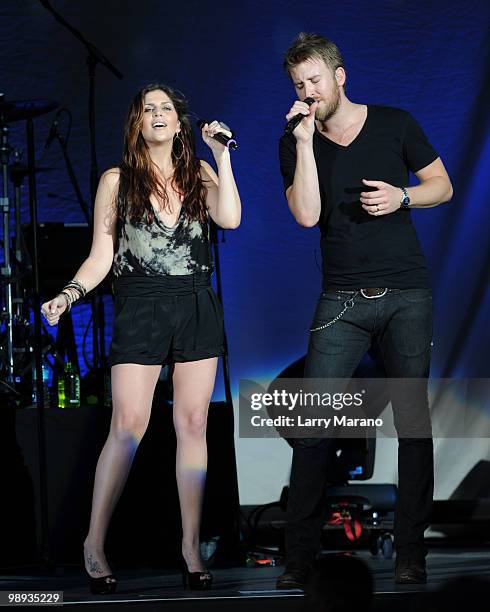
(405, 201)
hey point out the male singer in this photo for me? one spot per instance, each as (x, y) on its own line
(345, 168)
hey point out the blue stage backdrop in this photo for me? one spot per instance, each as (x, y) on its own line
(431, 58)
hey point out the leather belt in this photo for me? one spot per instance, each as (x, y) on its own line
(374, 292)
(368, 292)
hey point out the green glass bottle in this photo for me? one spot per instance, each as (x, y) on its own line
(69, 388)
(61, 390)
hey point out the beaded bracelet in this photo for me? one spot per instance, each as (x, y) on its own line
(73, 291)
(67, 300)
(77, 286)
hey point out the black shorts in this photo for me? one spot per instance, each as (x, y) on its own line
(162, 320)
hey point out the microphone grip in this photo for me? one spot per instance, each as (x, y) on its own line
(224, 140)
(220, 137)
(293, 123)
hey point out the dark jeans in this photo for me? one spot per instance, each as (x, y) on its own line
(400, 323)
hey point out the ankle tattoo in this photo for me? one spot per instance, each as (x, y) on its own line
(93, 565)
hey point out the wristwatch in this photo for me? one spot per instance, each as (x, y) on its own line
(405, 201)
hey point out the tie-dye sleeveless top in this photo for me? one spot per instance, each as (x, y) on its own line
(148, 249)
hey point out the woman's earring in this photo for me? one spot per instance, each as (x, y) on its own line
(177, 137)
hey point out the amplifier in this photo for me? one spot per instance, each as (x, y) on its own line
(62, 248)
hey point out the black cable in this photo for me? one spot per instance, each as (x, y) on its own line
(90, 366)
(70, 121)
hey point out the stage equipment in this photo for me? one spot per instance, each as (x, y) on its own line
(9, 112)
(94, 57)
(146, 522)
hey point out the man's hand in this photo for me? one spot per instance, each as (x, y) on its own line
(386, 199)
(304, 131)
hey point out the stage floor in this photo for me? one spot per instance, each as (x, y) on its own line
(240, 589)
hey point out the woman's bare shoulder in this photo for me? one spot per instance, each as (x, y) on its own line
(111, 176)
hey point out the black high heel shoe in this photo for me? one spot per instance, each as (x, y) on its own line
(105, 585)
(196, 581)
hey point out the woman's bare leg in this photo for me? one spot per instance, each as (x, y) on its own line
(133, 386)
(193, 387)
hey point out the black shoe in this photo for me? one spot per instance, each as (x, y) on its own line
(196, 581)
(102, 585)
(409, 572)
(295, 575)
(105, 585)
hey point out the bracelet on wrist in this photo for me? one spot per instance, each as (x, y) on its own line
(77, 285)
(74, 290)
(67, 300)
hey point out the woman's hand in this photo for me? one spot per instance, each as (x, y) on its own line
(53, 309)
(208, 131)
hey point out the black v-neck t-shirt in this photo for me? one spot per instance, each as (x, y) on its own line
(359, 250)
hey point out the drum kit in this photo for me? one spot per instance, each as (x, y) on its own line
(19, 339)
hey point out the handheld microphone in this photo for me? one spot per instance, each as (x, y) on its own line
(53, 131)
(296, 120)
(229, 142)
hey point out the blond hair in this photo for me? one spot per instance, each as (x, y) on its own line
(307, 46)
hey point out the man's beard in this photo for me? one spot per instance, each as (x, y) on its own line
(327, 109)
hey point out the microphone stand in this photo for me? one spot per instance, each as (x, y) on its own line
(45, 545)
(94, 57)
(226, 374)
(65, 337)
(6, 270)
(219, 291)
(73, 179)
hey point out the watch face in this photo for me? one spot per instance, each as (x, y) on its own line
(406, 201)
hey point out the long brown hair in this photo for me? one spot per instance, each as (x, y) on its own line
(139, 178)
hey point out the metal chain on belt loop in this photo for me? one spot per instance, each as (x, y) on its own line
(347, 304)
